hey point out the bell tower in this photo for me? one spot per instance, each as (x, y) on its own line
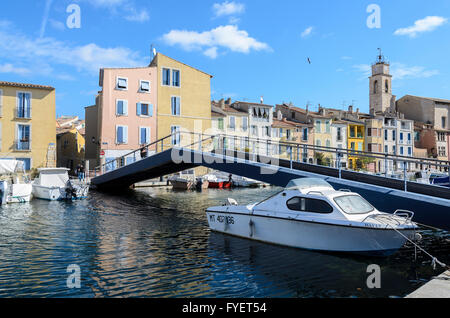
(380, 86)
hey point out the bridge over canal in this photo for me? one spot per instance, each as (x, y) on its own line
(430, 203)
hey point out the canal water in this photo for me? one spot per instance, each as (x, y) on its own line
(156, 243)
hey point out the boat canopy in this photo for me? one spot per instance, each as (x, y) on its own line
(306, 183)
(10, 166)
(53, 177)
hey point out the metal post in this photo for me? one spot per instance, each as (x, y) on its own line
(298, 153)
(267, 147)
(385, 166)
(162, 145)
(404, 176)
(339, 163)
(199, 142)
(290, 152)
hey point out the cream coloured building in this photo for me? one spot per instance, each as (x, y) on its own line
(27, 124)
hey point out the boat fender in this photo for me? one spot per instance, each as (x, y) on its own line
(418, 237)
(251, 225)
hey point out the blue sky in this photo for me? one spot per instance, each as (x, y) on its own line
(252, 48)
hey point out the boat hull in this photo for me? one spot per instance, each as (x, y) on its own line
(308, 235)
(220, 185)
(58, 193)
(181, 185)
(20, 193)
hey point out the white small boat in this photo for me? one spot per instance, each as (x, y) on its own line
(12, 188)
(179, 183)
(54, 184)
(310, 214)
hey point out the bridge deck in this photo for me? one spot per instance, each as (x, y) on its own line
(431, 204)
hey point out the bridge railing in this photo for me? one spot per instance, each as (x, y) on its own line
(383, 164)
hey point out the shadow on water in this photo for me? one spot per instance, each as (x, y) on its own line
(156, 243)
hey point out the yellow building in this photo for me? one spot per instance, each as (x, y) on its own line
(27, 124)
(355, 138)
(70, 141)
(184, 98)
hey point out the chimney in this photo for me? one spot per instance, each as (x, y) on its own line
(228, 101)
(350, 109)
(222, 103)
(262, 99)
(307, 109)
(357, 111)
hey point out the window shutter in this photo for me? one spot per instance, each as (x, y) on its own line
(138, 109)
(125, 107)
(147, 135)
(27, 106)
(125, 135)
(119, 107)
(177, 99)
(142, 137)
(150, 110)
(119, 135)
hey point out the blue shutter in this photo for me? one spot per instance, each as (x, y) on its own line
(27, 106)
(138, 109)
(20, 108)
(178, 105)
(150, 110)
(119, 135)
(143, 137)
(19, 137)
(120, 107)
(125, 134)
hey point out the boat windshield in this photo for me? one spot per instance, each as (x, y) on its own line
(354, 204)
(306, 183)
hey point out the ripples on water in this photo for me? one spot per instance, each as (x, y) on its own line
(156, 243)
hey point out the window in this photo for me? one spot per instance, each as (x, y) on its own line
(409, 151)
(386, 135)
(254, 131)
(176, 78)
(23, 105)
(266, 131)
(327, 127)
(401, 137)
(275, 133)
(26, 163)
(360, 146)
(23, 137)
(339, 134)
(318, 124)
(244, 123)
(386, 86)
(352, 146)
(121, 135)
(318, 143)
(176, 111)
(353, 204)
(444, 122)
(309, 205)
(122, 83)
(293, 115)
(401, 151)
(375, 84)
(305, 134)
(394, 135)
(232, 123)
(281, 132)
(220, 123)
(166, 76)
(121, 107)
(144, 109)
(441, 136)
(328, 143)
(144, 87)
(394, 150)
(386, 150)
(175, 136)
(288, 134)
(144, 135)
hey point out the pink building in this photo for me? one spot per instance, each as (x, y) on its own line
(124, 116)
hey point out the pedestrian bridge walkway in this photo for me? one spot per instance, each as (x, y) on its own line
(431, 204)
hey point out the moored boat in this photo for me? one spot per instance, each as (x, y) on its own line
(54, 184)
(15, 185)
(310, 214)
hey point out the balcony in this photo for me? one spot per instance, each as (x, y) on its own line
(23, 145)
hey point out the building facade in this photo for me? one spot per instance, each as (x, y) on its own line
(124, 115)
(27, 124)
(184, 99)
(70, 142)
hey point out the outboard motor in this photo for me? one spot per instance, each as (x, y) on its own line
(3, 191)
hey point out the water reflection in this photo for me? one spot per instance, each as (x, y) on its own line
(156, 243)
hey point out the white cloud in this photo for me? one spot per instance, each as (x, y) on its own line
(211, 52)
(228, 37)
(401, 71)
(9, 68)
(228, 8)
(108, 3)
(138, 16)
(36, 54)
(307, 32)
(427, 24)
(58, 25)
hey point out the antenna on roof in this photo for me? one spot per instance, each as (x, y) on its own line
(153, 51)
(380, 57)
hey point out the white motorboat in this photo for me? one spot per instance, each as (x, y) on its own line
(310, 214)
(54, 184)
(12, 188)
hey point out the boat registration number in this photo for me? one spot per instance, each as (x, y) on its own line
(221, 219)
